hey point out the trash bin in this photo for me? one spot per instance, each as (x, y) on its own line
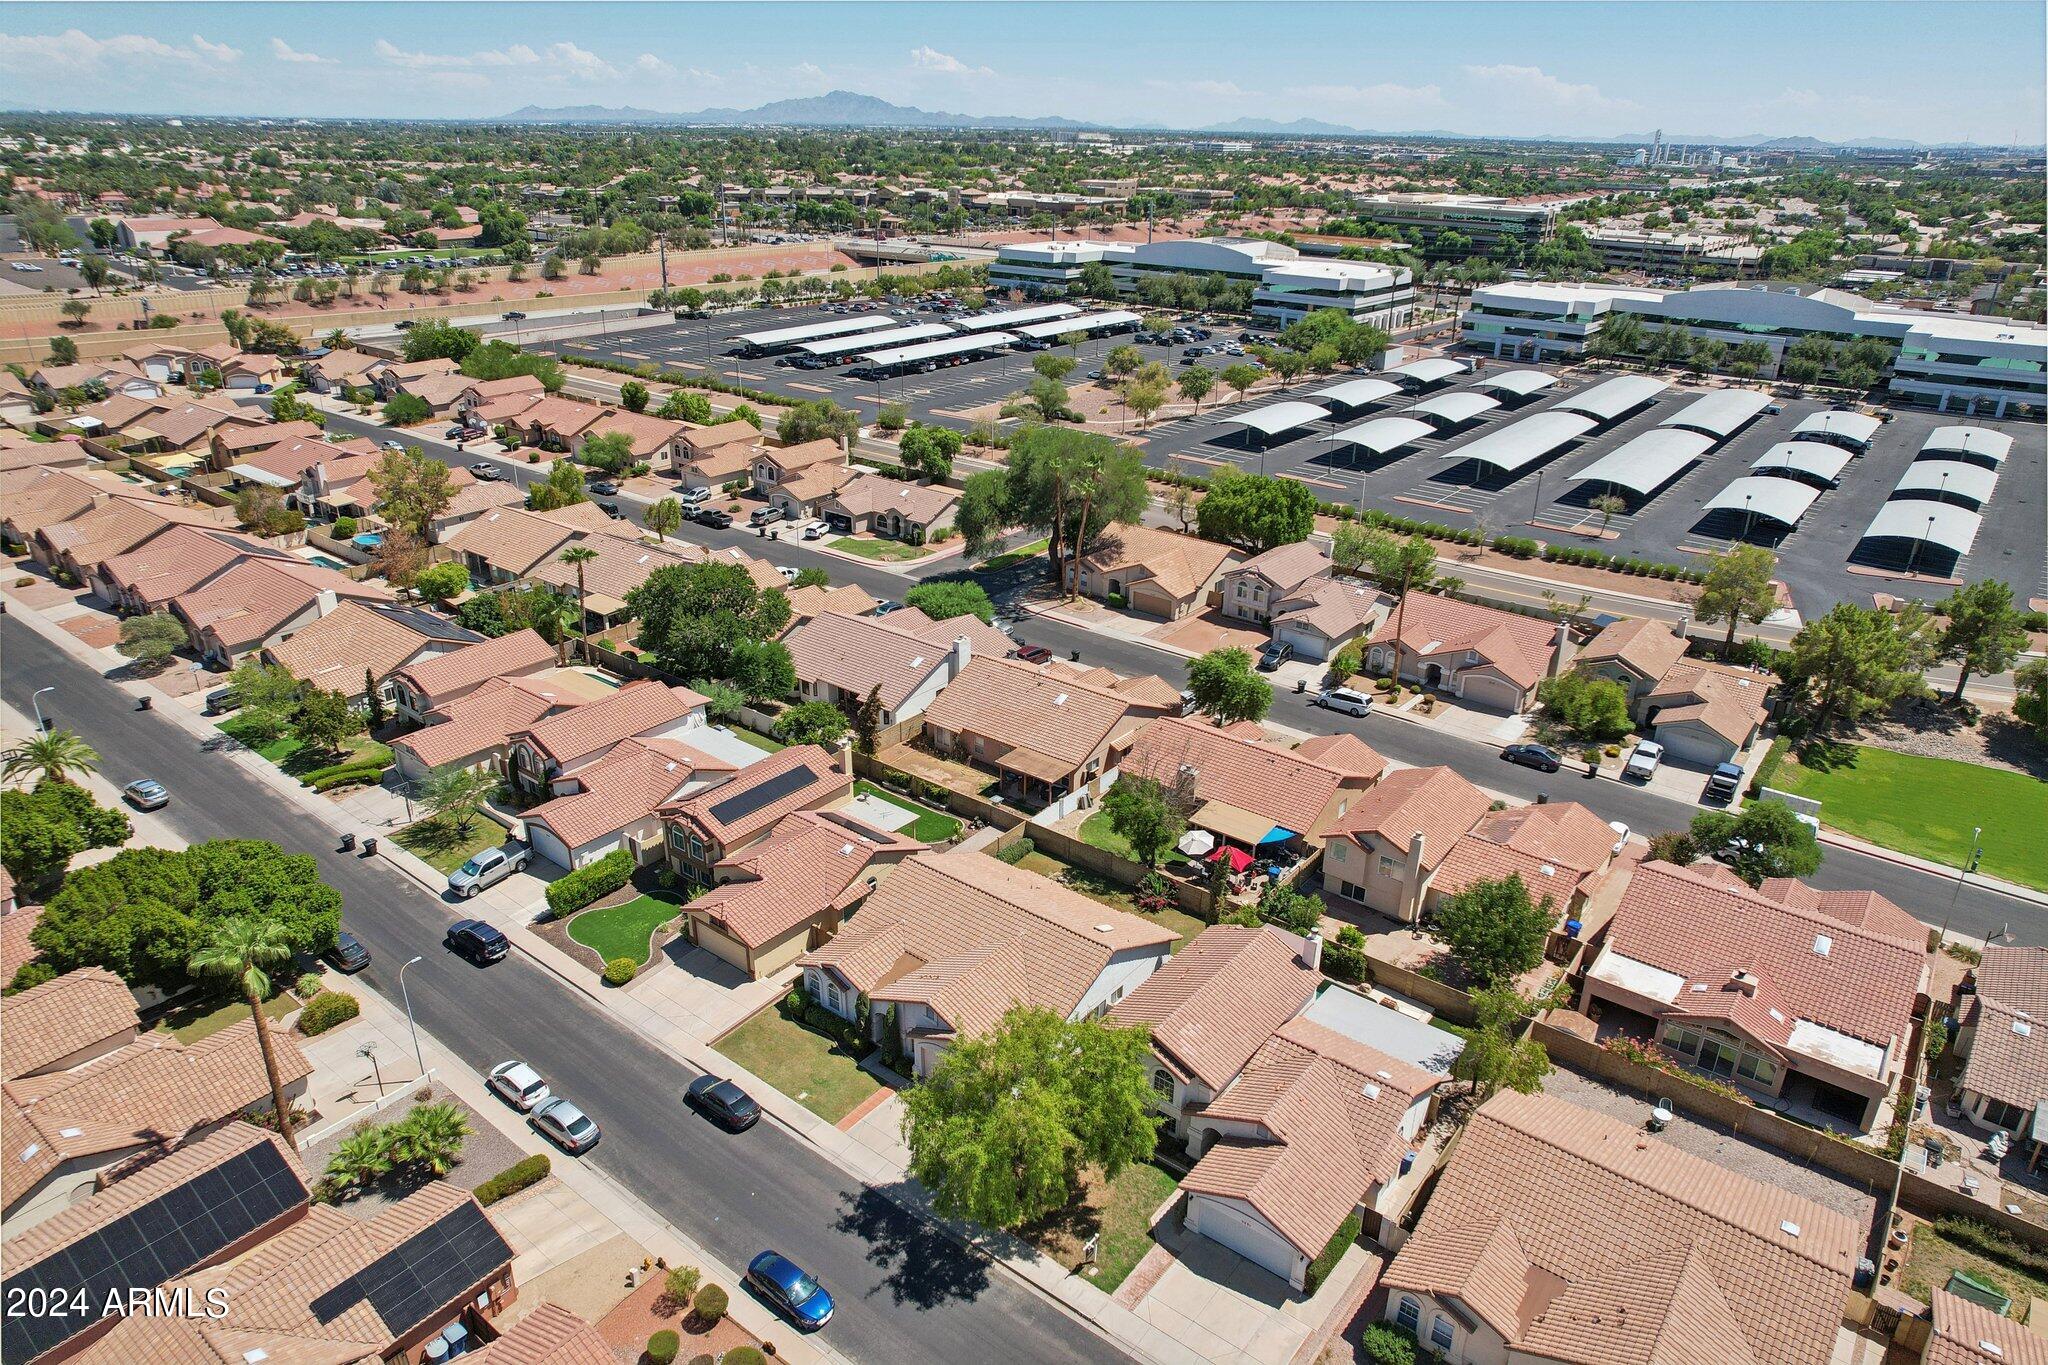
(348, 841)
(369, 848)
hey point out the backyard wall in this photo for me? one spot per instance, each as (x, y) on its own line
(1439, 998)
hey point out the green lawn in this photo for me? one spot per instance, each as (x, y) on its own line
(1095, 888)
(880, 549)
(1096, 830)
(997, 563)
(1119, 1212)
(437, 843)
(808, 1067)
(759, 741)
(623, 930)
(1931, 1257)
(1927, 806)
(930, 826)
(292, 756)
(193, 1022)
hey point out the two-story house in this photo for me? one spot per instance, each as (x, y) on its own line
(706, 829)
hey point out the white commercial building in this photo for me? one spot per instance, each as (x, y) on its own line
(1480, 218)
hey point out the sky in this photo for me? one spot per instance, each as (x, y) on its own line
(1941, 70)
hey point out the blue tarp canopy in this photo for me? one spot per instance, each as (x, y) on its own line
(1276, 835)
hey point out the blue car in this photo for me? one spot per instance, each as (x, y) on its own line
(796, 1295)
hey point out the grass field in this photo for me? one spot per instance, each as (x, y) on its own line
(880, 549)
(1927, 806)
(808, 1067)
(1096, 830)
(1096, 889)
(193, 1022)
(439, 845)
(1118, 1211)
(930, 826)
(292, 756)
(1934, 1256)
(742, 733)
(623, 930)
(997, 563)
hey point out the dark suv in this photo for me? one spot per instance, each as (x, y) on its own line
(477, 941)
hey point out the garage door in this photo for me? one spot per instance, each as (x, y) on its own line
(1152, 601)
(1247, 1236)
(1693, 745)
(547, 845)
(1491, 693)
(1307, 643)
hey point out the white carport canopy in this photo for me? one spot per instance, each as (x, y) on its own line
(895, 336)
(1648, 461)
(1981, 442)
(1937, 523)
(1721, 414)
(1851, 427)
(1605, 402)
(1949, 479)
(1520, 383)
(1527, 441)
(815, 331)
(1087, 326)
(256, 474)
(1015, 317)
(1276, 418)
(1356, 393)
(1780, 500)
(938, 350)
(1456, 408)
(1816, 459)
(1382, 434)
(1432, 371)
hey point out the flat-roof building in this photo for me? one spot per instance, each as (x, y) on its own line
(1659, 252)
(1483, 219)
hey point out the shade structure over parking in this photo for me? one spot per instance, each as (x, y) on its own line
(1605, 402)
(1277, 419)
(1946, 480)
(1421, 374)
(1515, 447)
(942, 350)
(1015, 317)
(1813, 460)
(1382, 434)
(1454, 409)
(1936, 523)
(1088, 324)
(1720, 415)
(1781, 500)
(1851, 429)
(779, 338)
(1356, 393)
(1648, 461)
(1979, 443)
(1517, 383)
(834, 347)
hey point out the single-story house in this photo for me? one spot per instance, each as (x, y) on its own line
(175, 561)
(848, 599)
(1159, 573)
(1325, 614)
(1043, 736)
(802, 497)
(433, 683)
(1483, 655)
(1636, 652)
(1560, 850)
(1259, 796)
(508, 543)
(361, 644)
(393, 377)
(471, 501)
(890, 508)
(845, 659)
(2002, 1035)
(621, 565)
(263, 602)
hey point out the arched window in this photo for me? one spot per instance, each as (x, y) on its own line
(1162, 1082)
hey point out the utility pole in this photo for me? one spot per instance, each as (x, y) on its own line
(662, 243)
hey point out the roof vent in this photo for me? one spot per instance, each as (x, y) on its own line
(1821, 944)
(918, 662)
(28, 1153)
(2023, 1028)
(71, 1132)
(1060, 700)
(1105, 928)
(1776, 1015)
(845, 849)
(1699, 985)
(1745, 982)
(255, 1355)
(1372, 1092)
(1789, 1228)
(1992, 1349)
(1548, 870)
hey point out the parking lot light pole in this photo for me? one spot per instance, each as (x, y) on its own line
(409, 1023)
(36, 700)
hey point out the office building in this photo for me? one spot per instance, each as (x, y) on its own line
(1483, 219)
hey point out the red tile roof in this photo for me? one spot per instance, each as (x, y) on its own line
(1279, 785)
(1520, 647)
(811, 862)
(1434, 802)
(1218, 1000)
(484, 720)
(2009, 1055)
(1966, 1333)
(522, 651)
(622, 788)
(635, 709)
(48, 1023)
(732, 832)
(1552, 847)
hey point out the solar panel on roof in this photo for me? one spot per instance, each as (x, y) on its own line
(147, 1246)
(771, 790)
(425, 1272)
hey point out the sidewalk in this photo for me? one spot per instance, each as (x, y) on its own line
(1834, 838)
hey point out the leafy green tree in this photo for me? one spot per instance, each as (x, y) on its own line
(663, 518)
(683, 406)
(325, 721)
(695, 618)
(1496, 1057)
(63, 351)
(576, 556)
(429, 1139)
(1145, 396)
(609, 451)
(1004, 1125)
(1586, 707)
(1044, 399)
(262, 511)
(50, 756)
(1073, 485)
(1292, 910)
(1737, 587)
(2030, 695)
(407, 409)
(439, 582)
(1121, 361)
(1494, 929)
(1984, 631)
(430, 340)
(1053, 366)
(811, 576)
(1226, 685)
(453, 795)
(561, 488)
(1856, 660)
(942, 599)
(633, 396)
(931, 450)
(763, 669)
(867, 721)
(502, 360)
(1255, 512)
(265, 697)
(151, 640)
(1194, 384)
(44, 828)
(817, 419)
(239, 949)
(1141, 814)
(811, 722)
(289, 407)
(1764, 839)
(984, 512)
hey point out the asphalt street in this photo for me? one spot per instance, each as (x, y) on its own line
(905, 1291)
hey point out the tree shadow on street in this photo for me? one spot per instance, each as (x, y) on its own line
(926, 1268)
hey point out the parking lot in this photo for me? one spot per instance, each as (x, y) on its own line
(1667, 524)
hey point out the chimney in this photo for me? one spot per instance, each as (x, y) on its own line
(1745, 982)
(325, 602)
(1683, 630)
(842, 758)
(1560, 650)
(1311, 954)
(1411, 879)
(963, 650)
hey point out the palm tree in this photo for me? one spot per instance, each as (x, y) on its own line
(362, 1156)
(52, 755)
(241, 948)
(430, 1137)
(579, 555)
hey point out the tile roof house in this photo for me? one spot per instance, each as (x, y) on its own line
(2002, 1032)
(890, 507)
(706, 829)
(81, 543)
(653, 439)
(1325, 614)
(1558, 848)
(1482, 654)
(1966, 1333)
(1160, 573)
(1706, 714)
(364, 640)
(951, 941)
(434, 683)
(260, 602)
(1250, 793)
(1043, 735)
(332, 1288)
(1393, 840)
(475, 730)
(393, 377)
(146, 578)
(495, 400)
(846, 659)
(232, 445)
(777, 466)
(338, 370)
(1803, 995)
(1559, 1234)
(622, 564)
(1253, 590)
(65, 1022)
(38, 497)
(548, 1335)
(470, 501)
(1635, 651)
(713, 456)
(848, 599)
(553, 749)
(614, 801)
(506, 544)
(65, 1127)
(787, 893)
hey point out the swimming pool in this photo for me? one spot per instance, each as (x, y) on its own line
(325, 561)
(369, 540)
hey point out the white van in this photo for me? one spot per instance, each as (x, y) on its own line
(1345, 700)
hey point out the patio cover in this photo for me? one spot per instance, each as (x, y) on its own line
(1032, 763)
(263, 476)
(1853, 427)
(1949, 478)
(1648, 461)
(1511, 447)
(1937, 523)
(1276, 418)
(1817, 459)
(1979, 441)
(1457, 407)
(1605, 402)
(1355, 393)
(1233, 822)
(1520, 383)
(1720, 414)
(1432, 371)
(1781, 500)
(1382, 434)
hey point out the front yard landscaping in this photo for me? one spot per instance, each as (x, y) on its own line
(880, 549)
(293, 756)
(190, 1023)
(1926, 806)
(440, 846)
(1118, 1210)
(625, 929)
(930, 826)
(997, 563)
(808, 1067)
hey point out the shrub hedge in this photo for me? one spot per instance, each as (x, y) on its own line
(663, 1345)
(1321, 1266)
(327, 1009)
(620, 970)
(525, 1172)
(586, 884)
(345, 775)
(711, 1304)
(1385, 1344)
(743, 1355)
(1017, 852)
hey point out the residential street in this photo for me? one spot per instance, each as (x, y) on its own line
(905, 1292)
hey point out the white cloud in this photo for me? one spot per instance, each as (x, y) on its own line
(931, 59)
(647, 64)
(519, 54)
(71, 52)
(220, 52)
(563, 61)
(1537, 89)
(285, 52)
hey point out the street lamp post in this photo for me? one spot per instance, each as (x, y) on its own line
(1536, 507)
(416, 1055)
(36, 701)
(1962, 875)
(1745, 514)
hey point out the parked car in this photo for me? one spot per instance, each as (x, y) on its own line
(610, 509)
(788, 574)
(402, 324)
(515, 317)
(1533, 756)
(485, 473)
(1276, 653)
(563, 1124)
(885, 606)
(1033, 654)
(1643, 760)
(724, 1102)
(464, 433)
(1725, 782)
(146, 793)
(789, 1290)
(817, 529)
(714, 516)
(1344, 699)
(220, 701)
(477, 941)
(519, 1085)
(394, 445)
(348, 953)
(603, 486)
(1187, 703)
(694, 497)
(1773, 410)
(487, 868)
(765, 516)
